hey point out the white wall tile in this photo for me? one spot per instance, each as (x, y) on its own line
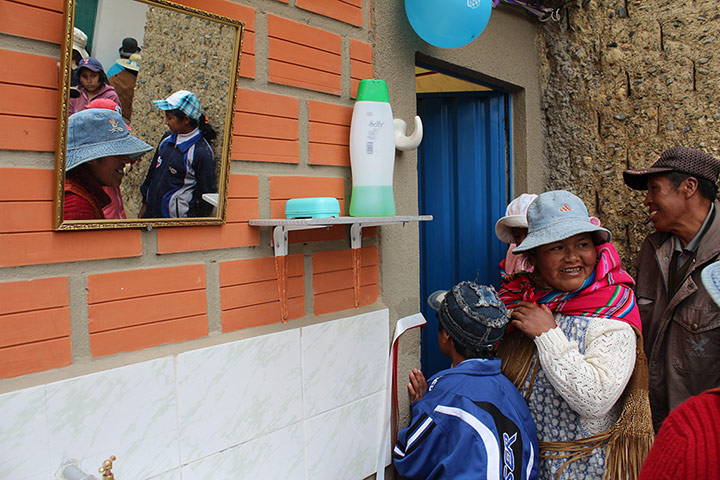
(236, 407)
(24, 449)
(175, 474)
(343, 443)
(344, 360)
(229, 394)
(278, 455)
(128, 412)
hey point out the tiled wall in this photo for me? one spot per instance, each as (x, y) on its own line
(304, 403)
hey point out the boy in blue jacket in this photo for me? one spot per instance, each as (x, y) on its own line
(471, 422)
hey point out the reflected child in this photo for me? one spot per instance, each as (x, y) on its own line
(93, 84)
(99, 146)
(183, 168)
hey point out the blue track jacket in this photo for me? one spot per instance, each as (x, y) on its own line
(177, 177)
(472, 423)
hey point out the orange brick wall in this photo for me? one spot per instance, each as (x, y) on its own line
(329, 134)
(360, 63)
(137, 309)
(34, 326)
(266, 127)
(73, 296)
(349, 11)
(249, 292)
(304, 56)
(333, 280)
(26, 236)
(28, 125)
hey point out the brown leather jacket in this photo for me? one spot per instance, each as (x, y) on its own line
(124, 84)
(682, 333)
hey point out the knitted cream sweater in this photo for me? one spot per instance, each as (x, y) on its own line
(591, 383)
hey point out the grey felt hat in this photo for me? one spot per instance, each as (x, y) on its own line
(676, 159)
(711, 279)
(558, 215)
(473, 315)
(97, 133)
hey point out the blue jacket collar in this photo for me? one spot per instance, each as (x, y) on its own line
(472, 366)
(185, 146)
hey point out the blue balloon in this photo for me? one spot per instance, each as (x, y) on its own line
(448, 23)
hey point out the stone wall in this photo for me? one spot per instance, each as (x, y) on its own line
(622, 81)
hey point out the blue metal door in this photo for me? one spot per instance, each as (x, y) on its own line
(463, 181)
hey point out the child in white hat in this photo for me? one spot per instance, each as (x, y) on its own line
(512, 229)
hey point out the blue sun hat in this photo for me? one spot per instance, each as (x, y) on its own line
(97, 133)
(555, 216)
(186, 102)
(711, 279)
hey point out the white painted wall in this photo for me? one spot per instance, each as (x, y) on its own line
(117, 19)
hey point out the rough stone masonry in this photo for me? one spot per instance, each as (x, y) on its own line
(622, 81)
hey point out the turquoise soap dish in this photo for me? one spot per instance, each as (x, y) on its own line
(316, 207)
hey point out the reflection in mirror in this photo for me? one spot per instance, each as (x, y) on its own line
(165, 76)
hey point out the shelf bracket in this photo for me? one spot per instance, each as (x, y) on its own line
(282, 227)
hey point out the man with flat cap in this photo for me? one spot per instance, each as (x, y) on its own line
(681, 323)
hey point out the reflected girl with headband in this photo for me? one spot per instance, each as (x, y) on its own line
(183, 168)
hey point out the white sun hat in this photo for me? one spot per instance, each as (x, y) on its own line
(515, 217)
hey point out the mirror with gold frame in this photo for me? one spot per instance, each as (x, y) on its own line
(176, 48)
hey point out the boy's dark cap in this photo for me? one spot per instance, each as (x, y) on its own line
(472, 314)
(676, 159)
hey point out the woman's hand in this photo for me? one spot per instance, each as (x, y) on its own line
(417, 385)
(531, 319)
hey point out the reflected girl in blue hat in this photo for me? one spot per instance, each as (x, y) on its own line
(93, 84)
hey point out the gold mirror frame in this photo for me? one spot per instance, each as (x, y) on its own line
(225, 134)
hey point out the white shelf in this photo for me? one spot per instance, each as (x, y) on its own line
(322, 222)
(282, 226)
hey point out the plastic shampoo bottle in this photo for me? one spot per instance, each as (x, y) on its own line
(372, 152)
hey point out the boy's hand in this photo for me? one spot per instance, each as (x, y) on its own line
(531, 319)
(417, 385)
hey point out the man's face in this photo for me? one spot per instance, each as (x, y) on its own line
(666, 205)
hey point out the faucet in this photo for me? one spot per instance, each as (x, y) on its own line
(71, 471)
(106, 468)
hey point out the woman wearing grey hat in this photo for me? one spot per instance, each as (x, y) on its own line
(98, 148)
(574, 350)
